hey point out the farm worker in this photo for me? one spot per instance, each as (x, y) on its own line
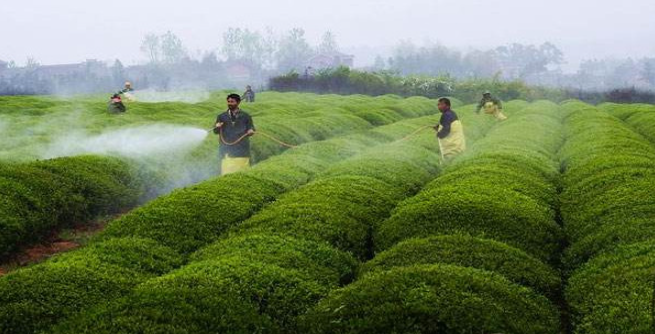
(492, 106)
(450, 131)
(234, 128)
(126, 91)
(249, 95)
(116, 104)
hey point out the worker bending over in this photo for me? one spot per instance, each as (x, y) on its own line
(116, 105)
(234, 128)
(450, 132)
(492, 106)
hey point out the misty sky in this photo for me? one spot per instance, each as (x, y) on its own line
(73, 30)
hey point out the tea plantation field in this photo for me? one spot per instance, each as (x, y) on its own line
(545, 225)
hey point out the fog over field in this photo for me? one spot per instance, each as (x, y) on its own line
(74, 30)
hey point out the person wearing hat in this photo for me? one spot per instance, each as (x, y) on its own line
(127, 91)
(492, 106)
(116, 105)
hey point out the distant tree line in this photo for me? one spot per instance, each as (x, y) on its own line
(347, 81)
(533, 64)
(245, 56)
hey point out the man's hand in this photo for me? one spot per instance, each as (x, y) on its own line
(250, 132)
(219, 125)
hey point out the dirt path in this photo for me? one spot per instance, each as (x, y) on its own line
(58, 242)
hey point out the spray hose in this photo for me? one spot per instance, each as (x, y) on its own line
(413, 133)
(281, 143)
(227, 143)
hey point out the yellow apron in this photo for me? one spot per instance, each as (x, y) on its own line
(454, 143)
(492, 109)
(233, 165)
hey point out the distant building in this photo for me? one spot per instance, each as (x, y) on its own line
(89, 67)
(331, 60)
(238, 71)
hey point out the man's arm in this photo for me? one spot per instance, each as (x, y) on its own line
(218, 124)
(480, 105)
(250, 127)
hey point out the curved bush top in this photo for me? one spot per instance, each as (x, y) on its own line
(288, 170)
(467, 251)
(476, 209)
(42, 196)
(602, 167)
(643, 122)
(619, 283)
(599, 180)
(138, 254)
(433, 299)
(500, 173)
(608, 237)
(534, 164)
(338, 210)
(401, 165)
(231, 295)
(635, 198)
(317, 259)
(35, 298)
(624, 111)
(189, 218)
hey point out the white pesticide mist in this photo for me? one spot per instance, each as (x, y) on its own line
(161, 148)
(133, 142)
(153, 96)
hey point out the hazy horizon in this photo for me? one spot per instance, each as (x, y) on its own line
(74, 30)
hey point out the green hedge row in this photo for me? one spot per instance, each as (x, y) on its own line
(433, 299)
(469, 197)
(40, 197)
(336, 116)
(269, 270)
(609, 215)
(438, 268)
(467, 251)
(180, 222)
(293, 237)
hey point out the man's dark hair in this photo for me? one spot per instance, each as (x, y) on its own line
(445, 100)
(234, 97)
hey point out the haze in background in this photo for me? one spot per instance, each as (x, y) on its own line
(69, 31)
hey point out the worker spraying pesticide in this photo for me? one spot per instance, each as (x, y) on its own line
(234, 128)
(116, 105)
(492, 106)
(450, 132)
(127, 91)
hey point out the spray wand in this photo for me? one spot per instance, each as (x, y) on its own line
(246, 135)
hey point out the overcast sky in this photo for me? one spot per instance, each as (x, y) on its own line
(73, 30)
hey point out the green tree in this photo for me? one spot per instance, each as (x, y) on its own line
(172, 49)
(294, 51)
(328, 43)
(150, 46)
